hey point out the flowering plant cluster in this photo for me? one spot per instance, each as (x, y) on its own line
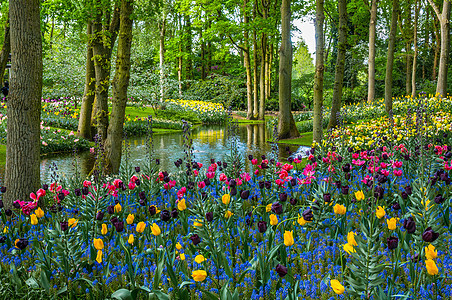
(207, 112)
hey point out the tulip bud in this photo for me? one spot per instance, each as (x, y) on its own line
(281, 270)
(209, 216)
(262, 226)
(393, 242)
(165, 215)
(195, 239)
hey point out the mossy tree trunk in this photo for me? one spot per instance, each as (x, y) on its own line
(371, 61)
(317, 131)
(6, 49)
(113, 145)
(390, 56)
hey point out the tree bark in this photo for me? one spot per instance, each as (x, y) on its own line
(286, 124)
(444, 21)
(390, 56)
(22, 175)
(437, 49)
(113, 145)
(317, 131)
(413, 75)
(84, 124)
(6, 49)
(247, 64)
(103, 43)
(262, 76)
(255, 69)
(372, 35)
(340, 64)
(162, 31)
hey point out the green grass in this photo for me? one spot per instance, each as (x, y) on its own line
(2, 154)
(245, 121)
(141, 112)
(164, 131)
(304, 140)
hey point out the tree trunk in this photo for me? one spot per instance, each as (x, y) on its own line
(188, 45)
(390, 56)
(84, 124)
(22, 173)
(317, 131)
(113, 145)
(162, 56)
(444, 22)
(103, 42)
(255, 69)
(6, 49)
(340, 64)
(286, 124)
(247, 64)
(372, 35)
(413, 75)
(261, 114)
(408, 69)
(269, 72)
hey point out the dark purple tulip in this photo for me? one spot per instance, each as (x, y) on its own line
(393, 242)
(99, 216)
(119, 226)
(439, 199)
(3, 189)
(293, 182)
(245, 194)
(290, 160)
(209, 216)
(111, 209)
(85, 190)
(396, 206)
(195, 239)
(346, 167)
(338, 184)
(114, 220)
(138, 182)
(77, 192)
(409, 225)
(293, 201)
(16, 204)
(1, 204)
(233, 191)
(339, 158)
(404, 195)
(345, 189)
(281, 270)
(152, 210)
(327, 197)
(308, 215)
(137, 169)
(429, 235)
(225, 165)
(268, 184)
(157, 161)
(212, 161)
(250, 157)
(3, 239)
(22, 244)
(165, 215)
(207, 181)
(277, 208)
(174, 213)
(232, 183)
(45, 187)
(283, 197)
(261, 184)
(142, 195)
(408, 190)
(61, 196)
(262, 226)
(142, 202)
(64, 225)
(8, 212)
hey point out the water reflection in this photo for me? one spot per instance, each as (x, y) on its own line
(208, 142)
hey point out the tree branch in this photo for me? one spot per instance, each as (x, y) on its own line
(435, 8)
(235, 44)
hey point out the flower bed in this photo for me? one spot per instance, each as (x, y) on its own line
(373, 221)
(207, 112)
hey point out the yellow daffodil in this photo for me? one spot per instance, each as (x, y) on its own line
(118, 208)
(348, 248)
(182, 256)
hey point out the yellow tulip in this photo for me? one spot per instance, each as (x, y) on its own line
(380, 212)
(130, 219)
(182, 256)
(99, 256)
(104, 229)
(348, 248)
(131, 239)
(351, 238)
(301, 221)
(268, 207)
(359, 195)
(118, 208)
(199, 259)
(432, 269)
(6, 229)
(196, 223)
(98, 244)
(199, 275)
(288, 238)
(226, 199)
(155, 229)
(72, 222)
(181, 205)
(430, 252)
(339, 209)
(228, 214)
(178, 246)
(392, 223)
(33, 219)
(140, 227)
(338, 288)
(39, 212)
(273, 220)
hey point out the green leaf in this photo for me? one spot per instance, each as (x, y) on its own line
(122, 294)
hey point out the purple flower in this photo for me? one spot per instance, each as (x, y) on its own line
(429, 235)
(281, 270)
(195, 239)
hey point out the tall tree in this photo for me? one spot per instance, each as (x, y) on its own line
(247, 62)
(340, 63)
(286, 123)
(22, 174)
(444, 21)
(371, 61)
(6, 49)
(413, 75)
(317, 131)
(113, 144)
(390, 56)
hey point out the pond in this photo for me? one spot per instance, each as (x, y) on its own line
(209, 141)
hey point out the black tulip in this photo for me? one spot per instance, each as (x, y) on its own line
(77, 192)
(174, 213)
(137, 169)
(345, 189)
(261, 184)
(346, 168)
(393, 242)
(308, 215)
(268, 184)
(8, 212)
(85, 190)
(165, 215)
(195, 239)
(327, 197)
(404, 195)
(22, 244)
(142, 202)
(114, 220)
(64, 225)
(142, 195)
(61, 196)
(245, 194)
(99, 216)
(396, 206)
(1, 204)
(283, 197)
(293, 182)
(209, 216)
(44, 187)
(3, 239)
(429, 235)
(233, 191)
(3, 189)
(409, 225)
(119, 226)
(262, 226)
(111, 209)
(408, 190)
(281, 270)
(277, 208)
(439, 199)
(293, 201)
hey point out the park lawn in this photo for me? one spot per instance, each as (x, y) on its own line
(140, 112)
(305, 139)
